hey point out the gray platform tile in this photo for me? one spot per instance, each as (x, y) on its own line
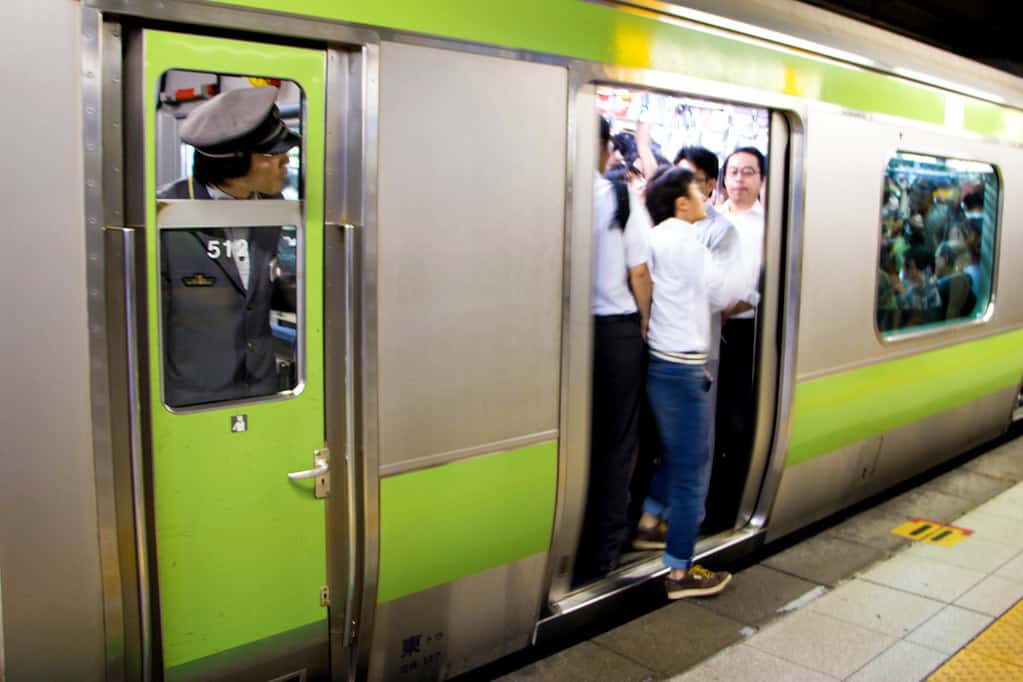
(927, 503)
(1003, 506)
(821, 643)
(825, 559)
(872, 528)
(994, 528)
(931, 579)
(993, 596)
(974, 553)
(585, 662)
(672, 639)
(877, 607)
(950, 630)
(743, 663)
(904, 662)
(755, 595)
(1013, 569)
(969, 485)
(1005, 461)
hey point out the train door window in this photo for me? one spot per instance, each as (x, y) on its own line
(724, 146)
(228, 157)
(939, 219)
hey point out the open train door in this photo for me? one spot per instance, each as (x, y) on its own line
(241, 326)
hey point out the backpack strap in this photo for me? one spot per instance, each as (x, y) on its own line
(622, 207)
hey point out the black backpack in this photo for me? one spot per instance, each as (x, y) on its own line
(622, 208)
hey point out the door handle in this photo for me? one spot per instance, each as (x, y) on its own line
(321, 460)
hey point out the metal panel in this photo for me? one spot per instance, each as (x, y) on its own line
(3, 675)
(128, 487)
(843, 209)
(459, 625)
(787, 156)
(185, 213)
(50, 559)
(470, 249)
(577, 336)
(822, 486)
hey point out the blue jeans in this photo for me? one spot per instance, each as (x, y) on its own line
(678, 400)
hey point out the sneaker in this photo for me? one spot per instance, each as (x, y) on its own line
(651, 538)
(699, 582)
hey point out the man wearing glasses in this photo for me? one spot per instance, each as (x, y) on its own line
(736, 405)
(217, 283)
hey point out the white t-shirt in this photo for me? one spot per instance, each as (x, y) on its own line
(689, 286)
(616, 250)
(750, 224)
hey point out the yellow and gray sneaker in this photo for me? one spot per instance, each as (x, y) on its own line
(698, 582)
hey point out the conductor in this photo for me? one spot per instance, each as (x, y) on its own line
(217, 283)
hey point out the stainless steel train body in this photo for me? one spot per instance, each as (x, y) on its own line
(445, 322)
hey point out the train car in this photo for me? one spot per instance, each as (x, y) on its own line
(405, 501)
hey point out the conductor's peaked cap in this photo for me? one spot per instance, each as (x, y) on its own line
(238, 122)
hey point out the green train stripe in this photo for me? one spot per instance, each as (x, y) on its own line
(835, 411)
(444, 523)
(607, 35)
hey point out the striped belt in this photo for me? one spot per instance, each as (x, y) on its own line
(680, 358)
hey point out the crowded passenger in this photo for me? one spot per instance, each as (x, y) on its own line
(621, 310)
(689, 286)
(722, 239)
(736, 404)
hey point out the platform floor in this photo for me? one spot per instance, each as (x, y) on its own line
(853, 602)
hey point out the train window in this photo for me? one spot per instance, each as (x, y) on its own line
(938, 222)
(230, 324)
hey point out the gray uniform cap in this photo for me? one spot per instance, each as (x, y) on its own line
(238, 122)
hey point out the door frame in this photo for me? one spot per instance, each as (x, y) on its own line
(114, 218)
(780, 304)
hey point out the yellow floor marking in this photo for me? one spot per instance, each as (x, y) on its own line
(995, 655)
(948, 536)
(917, 529)
(933, 532)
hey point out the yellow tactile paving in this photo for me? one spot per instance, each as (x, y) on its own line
(995, 655)
(1014, 616)
(1000, 641)
(967, 666)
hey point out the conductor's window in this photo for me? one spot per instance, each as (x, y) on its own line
(939, 219)
(230, 245)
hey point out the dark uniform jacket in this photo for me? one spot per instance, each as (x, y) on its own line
(217, 343)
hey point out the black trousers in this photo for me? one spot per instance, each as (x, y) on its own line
(618, 364)
(736, 418)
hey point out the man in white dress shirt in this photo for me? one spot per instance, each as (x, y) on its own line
(621, 309)
(736, 407)
(722, 239)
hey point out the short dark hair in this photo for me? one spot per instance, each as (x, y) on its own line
(210, 170)
(626, 144)
(660, 198)
(973, 201)
(761, 161)
(921, 257)
(701, 158)
(605, 130)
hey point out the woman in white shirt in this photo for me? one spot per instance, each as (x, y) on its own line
(688, 287)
